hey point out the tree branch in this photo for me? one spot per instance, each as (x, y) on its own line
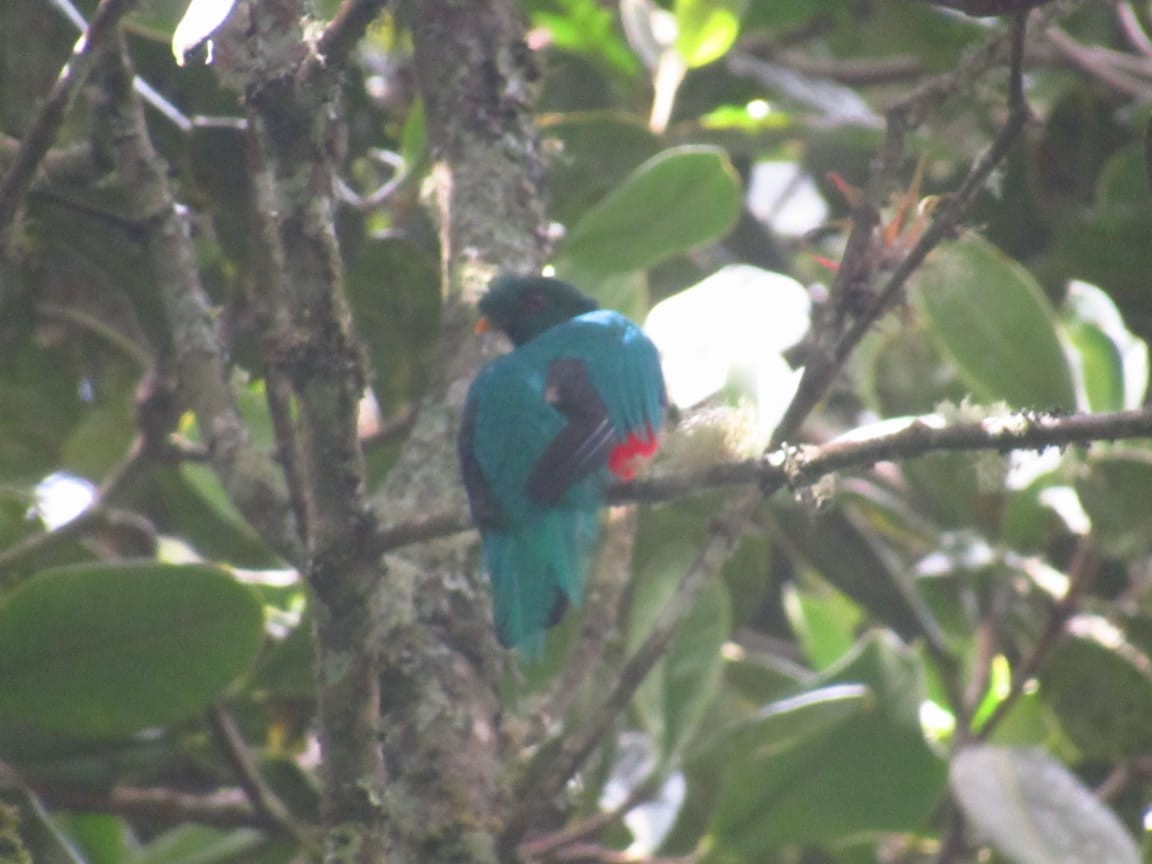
(797, 467)
(46, 126)
(445, 739)
(549, 844)
(837, 335)
(225, 808)
(555, 764)
(247, 474)
(265, 802)
(1082, 571)
(345, 30)
(120, 477)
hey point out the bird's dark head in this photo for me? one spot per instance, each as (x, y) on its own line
(525, 306)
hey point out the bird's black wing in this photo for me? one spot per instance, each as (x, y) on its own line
(582, 447)
(486, 512)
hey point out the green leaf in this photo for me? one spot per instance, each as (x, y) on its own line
(587, 28)
(1029, 522)
(812, 791)
(707, 29)
(287, 668)
(394, 290)
(194, 506)
(677, 200)
(101, 650)
(597, 150)
(41, 406)
(906, 372)
(795, 721)
(104, 433)
(1115, 489)
(824, 622)
(99, 837)
(625, 292)
(993, 319)
(1031, 722)
(1102, 369)
(199, 844)
(1113, 360)
(761, 679)
(835, 544)
(50, 840)
(1034, 811)
(676, 694)
(783, 734)
(1101, 690)
(414, 137)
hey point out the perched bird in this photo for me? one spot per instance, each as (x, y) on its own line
(580, 398)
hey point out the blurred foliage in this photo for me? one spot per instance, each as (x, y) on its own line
(813, 705)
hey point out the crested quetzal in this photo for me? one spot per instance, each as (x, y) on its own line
(579, 399)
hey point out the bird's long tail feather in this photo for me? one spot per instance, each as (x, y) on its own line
(538, 570)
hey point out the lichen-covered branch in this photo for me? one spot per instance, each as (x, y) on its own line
(799, 466)
(442, 735)
(315, 367)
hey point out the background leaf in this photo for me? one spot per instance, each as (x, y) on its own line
(107, 650)
(811, 792)
(681, 198)
(995, 322)
(707, 29)
(1034, 810)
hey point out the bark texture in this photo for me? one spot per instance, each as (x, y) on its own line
(441, 736)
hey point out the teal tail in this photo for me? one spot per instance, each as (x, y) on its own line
(538, 569)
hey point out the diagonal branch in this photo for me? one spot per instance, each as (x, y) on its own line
(555, 765)
(268, 806)
(46, 126)
(246, 473)
(835, 343)
(345, 30)
(120, 477)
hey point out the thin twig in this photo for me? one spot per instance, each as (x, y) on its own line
(120, 477)
(946, 219)
(346, 29)
(225, 808)
(265, 802)
(46, 126)
(1133, 28)
(555, 765)
(139, 353)
(538, 847)
(246, 472)
(1116, 782)
(1096, 64)
(1081, 572)
(856, 72)
(834, 344)
(391, 428)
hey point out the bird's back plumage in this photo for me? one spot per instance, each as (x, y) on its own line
(540, 430)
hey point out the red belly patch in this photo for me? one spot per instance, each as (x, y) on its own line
(623, 460)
